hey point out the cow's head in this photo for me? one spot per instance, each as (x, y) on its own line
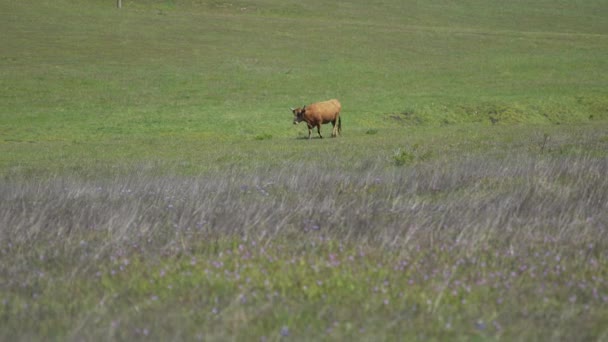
(298, 114)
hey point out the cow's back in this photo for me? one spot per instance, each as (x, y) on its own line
(326, 108)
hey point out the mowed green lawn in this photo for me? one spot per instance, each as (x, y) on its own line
(84, 83)
(153, 186)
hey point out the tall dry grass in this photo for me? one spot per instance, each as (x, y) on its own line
(509, 200)
(503, 226)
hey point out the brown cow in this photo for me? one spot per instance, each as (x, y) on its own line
(319, 113)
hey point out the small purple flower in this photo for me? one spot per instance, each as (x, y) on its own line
(497, 325)
(285, 331)
(480, 325)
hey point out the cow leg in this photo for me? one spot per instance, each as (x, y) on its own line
(319, 130)
(333, 129)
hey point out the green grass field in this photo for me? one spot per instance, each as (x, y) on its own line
(83, 82)
(153, 186)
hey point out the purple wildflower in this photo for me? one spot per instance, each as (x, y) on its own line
(479, 324)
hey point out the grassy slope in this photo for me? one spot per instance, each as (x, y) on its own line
(86, 82)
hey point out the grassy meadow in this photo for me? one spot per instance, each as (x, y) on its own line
(153, 186)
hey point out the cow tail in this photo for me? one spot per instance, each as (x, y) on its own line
(339, 125)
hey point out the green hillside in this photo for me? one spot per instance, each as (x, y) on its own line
(74, 70)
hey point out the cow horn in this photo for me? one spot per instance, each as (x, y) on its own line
(292, 109)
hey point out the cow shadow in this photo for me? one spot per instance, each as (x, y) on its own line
(306, 138)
